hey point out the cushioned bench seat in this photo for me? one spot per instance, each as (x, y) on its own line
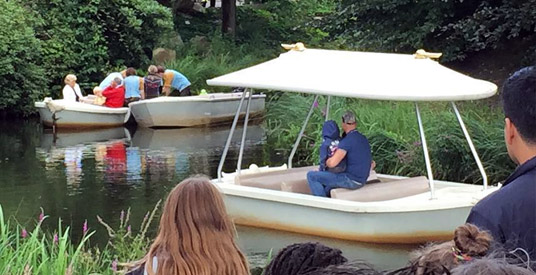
(383, 191)
(290, 180)
(273, 180)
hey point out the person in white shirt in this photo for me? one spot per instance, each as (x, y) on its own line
(71, 91)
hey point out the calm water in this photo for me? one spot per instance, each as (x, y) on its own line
(76, 176)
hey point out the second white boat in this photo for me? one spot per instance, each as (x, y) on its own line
(191, 111)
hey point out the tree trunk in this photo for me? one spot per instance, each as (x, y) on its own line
(212, 3)
(228, 10)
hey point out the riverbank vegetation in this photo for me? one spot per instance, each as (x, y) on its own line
(392, 130)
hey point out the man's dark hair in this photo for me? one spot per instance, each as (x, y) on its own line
(161, 69)
(519, 102)
(301, 258)
(130, 71)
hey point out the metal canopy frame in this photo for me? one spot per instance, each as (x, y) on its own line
(298, 139)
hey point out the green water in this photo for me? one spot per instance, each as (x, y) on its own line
(76, 176)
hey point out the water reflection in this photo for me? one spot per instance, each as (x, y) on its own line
(119, 157)
(257, 243)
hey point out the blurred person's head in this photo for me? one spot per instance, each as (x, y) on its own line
(70, 80)
(130, 71)
(195, 235)
(469, 242)
(116, 82)
(152, 69)
(300, 258)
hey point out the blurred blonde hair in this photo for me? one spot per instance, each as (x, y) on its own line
(196, 237)
(96, 90)
(152, 69)
(69, 78)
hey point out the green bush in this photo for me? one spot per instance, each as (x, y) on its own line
(21, 76)
(89, 38)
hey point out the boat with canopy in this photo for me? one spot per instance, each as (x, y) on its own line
(397, 209)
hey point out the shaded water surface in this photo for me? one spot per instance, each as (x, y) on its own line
(76, 176)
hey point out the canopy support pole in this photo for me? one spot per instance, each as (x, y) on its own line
(233, 127)
(471, 146)
(301, 133)
(425, 151)
(327, 107)
(244, 131)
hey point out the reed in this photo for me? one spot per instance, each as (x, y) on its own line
(392, 130)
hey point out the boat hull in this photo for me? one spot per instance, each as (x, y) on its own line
(77, 116)
(411, 219)
(400, 227)
(192, 111)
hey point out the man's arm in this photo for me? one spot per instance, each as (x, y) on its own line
(336, 158)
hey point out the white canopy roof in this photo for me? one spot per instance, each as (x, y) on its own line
(378, 76)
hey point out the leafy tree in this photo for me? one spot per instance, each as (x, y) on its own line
(90, 37)
(21, 77)
(458, 28)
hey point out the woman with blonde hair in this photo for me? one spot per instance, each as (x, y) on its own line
(71, 90)
(195, 237)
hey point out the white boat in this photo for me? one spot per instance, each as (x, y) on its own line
(396, 210)
(67, 114)
(191, 111)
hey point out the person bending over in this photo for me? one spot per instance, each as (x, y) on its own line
(175, 80)
(510, 213)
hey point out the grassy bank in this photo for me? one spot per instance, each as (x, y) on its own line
(392, 130)
(30, 249)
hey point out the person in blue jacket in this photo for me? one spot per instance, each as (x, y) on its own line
(330, 143)
(509, 214)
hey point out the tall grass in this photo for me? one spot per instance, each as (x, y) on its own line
(35, 251)
(392, 130)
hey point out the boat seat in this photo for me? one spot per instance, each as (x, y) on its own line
(273, 180)
(301, 186)
(384, 190)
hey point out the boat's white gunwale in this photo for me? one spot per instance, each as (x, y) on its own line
(84, 108)
(411, 204)
(160, 100)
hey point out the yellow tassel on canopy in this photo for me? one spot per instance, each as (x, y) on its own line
(422, 54)
(294, 47)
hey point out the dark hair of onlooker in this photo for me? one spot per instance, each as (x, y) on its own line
(301, 258)
(491, 266)
(161, 69)
(519, 102)
(469, 242)
(131, 71)
(354, 268)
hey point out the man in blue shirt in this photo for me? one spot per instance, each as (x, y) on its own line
(509, 214)
(356, 149)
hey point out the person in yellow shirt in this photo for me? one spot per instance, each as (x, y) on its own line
(175, 80)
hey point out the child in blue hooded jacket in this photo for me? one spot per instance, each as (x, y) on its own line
(330, 142)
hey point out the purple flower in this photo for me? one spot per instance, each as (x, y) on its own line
(122, 215)
(55, 239)
(24, 233)
(129, 229)
(114, 265)
(84, 227)
(417, 143)
(315, 104)
(41, 216)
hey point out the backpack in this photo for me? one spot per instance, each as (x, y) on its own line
(152, 84)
